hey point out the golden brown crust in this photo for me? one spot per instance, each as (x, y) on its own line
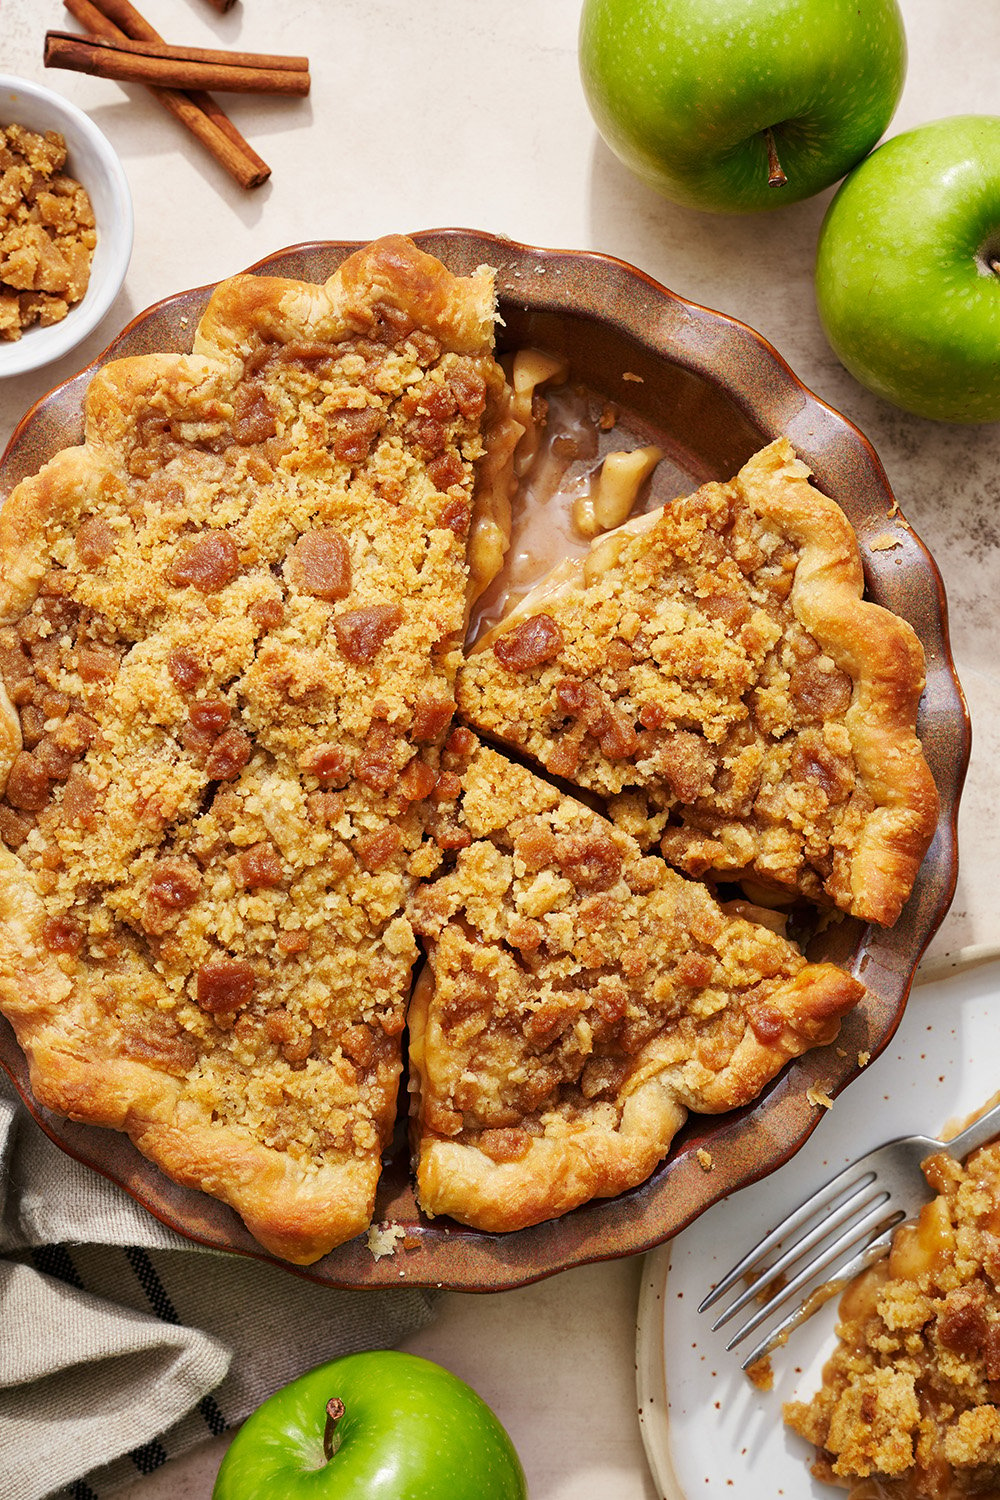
(578, 1000)
(391, 274)
(80, 1073)
(885, 661)
(228, 636)
(715, 668)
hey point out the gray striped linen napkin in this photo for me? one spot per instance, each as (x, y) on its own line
(122, 1344)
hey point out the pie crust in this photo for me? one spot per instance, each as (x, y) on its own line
(713, 668)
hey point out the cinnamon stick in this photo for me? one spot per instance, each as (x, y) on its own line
(224, 56)
(131, 24)
(177, 67)
(195, 109)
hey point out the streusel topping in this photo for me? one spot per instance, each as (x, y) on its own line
(567, 971)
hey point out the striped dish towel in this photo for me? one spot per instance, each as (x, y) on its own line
(122, 1344)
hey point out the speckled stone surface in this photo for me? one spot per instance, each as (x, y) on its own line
(451, 114)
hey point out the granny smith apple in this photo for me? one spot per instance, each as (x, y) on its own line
(377, 1426)
(736, 105)
(908, 270)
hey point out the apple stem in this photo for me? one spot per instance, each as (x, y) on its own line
(334, 1411)
(775, 172)
(994, 265)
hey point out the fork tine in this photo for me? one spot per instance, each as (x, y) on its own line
(875, 1250)
(801, 1215)
(862, 1229)
(851, 1207)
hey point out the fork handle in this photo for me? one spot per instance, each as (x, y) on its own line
(975, 1135)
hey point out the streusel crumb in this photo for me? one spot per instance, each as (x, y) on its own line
(47, 231)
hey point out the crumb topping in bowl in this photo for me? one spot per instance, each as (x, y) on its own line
(47, 231)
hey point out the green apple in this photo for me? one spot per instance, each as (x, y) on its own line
(736, 105)
(379, 1426)
(908, 270)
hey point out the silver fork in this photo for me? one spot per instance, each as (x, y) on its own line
(852, 1216)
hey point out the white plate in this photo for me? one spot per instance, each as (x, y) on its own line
(707, 1431)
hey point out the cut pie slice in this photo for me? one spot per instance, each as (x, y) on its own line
(578, 999)
(713, 668)
(229, 628)
(908, 1400)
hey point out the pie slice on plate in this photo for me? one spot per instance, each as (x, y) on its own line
(229, 628)
(713, 669)
(578, 999)
(907, 1401)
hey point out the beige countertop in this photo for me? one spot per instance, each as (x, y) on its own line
(449, 113)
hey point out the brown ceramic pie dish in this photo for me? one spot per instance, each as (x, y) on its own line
(710, 392)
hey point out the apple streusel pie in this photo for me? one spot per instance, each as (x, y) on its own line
(232, 795)
(910, 1401)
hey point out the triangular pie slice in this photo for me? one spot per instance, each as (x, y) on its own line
(578, 999)
(229, 628)
(907, 1403)
(713, 669)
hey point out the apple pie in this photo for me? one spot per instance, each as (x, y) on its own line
(229, 628)
(910, 1399)
(232, 795)
(578, 999)
(713, 670)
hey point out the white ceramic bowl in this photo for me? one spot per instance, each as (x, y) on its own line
(92, 161)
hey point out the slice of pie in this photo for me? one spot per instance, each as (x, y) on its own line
(578, 999)
(910, 1398)
(229, 628)
(713, 668)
